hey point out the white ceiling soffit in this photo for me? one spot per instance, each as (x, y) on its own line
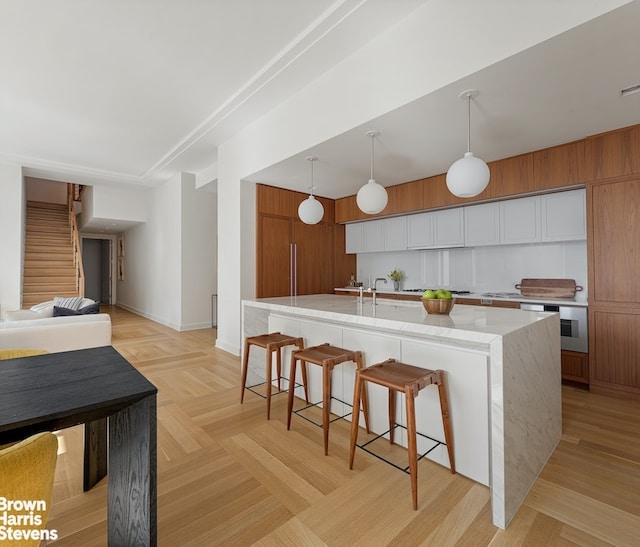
(561, 90)
(135, 91)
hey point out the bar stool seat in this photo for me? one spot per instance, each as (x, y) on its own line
(328, 357)
(407, 379)
(271, 343)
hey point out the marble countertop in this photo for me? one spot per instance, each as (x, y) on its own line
(579, 300)
(465, 324)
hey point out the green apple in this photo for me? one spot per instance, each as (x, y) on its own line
(429, 294)
(445, 295)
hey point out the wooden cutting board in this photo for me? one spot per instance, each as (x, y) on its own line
(548, 288)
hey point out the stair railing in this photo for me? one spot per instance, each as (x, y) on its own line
(75, 239)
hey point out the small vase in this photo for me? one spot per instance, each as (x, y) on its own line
(396, 285)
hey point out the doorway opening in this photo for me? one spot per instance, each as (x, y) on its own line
(99, 266)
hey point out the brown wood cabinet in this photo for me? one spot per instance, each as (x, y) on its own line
(559, 166)
(575, 366)
(317, 249)
(613, 214)
(613, 154)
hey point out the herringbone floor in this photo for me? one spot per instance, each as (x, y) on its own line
(227, 476)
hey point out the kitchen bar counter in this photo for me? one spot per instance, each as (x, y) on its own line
(579, 300)
(503, 367)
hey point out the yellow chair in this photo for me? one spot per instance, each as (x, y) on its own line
(14, 352)
(27, 471)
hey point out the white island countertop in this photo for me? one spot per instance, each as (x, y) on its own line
(466, 325)
(502, 366)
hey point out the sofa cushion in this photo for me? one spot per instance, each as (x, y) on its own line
(69, 302)
(87, 310)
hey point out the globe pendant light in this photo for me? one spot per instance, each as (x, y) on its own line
(468, 176)
(311, 210)
(372, 197)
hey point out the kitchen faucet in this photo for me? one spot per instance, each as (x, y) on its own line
(375, 288)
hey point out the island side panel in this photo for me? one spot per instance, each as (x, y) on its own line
(532, 409)
(254, 323)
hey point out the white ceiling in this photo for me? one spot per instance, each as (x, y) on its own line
(135, 91)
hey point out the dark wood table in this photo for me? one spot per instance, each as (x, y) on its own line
(92, 387)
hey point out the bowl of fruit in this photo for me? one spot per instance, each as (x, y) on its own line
(440, 301)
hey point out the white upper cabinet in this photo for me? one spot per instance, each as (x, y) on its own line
(564, 216)
(384, 234)
(374, 236)
(559, 216)
(520, 220)
(448, 228)
(395, 234)
(482, 224)
(354, 238)
(420, 231)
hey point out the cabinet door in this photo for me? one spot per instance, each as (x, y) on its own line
(520, 220)
(420, 231)
(448, 228)
(564, 216)
(354, 238)
(373, 236)
(314, 259)
(395, 234)
(482, 224)
(274, 274)
(615, 233)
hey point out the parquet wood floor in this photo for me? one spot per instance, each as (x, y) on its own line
(227, 476)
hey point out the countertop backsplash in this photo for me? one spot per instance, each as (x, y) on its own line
(479, 269)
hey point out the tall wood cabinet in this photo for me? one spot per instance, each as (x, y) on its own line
(289, 252)
(614, 286)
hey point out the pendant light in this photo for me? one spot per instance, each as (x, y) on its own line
(468, 176)
(372, 197)
(311, 210)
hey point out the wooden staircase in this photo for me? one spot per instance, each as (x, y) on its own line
(50, 267)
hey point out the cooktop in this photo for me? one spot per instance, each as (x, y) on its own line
(450, 290)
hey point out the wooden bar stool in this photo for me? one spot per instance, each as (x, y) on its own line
(410, 380)
(271, 343)
(327, 357)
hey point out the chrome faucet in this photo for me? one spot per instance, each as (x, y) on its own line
(375, 287)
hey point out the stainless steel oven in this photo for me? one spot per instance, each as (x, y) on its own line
(574, 334)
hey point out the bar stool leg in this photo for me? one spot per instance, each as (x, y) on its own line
(268, 362)
(326, 405)
(292, 379)
(279, 367)
(364, 398)
(392, 414)
(446, 424)
(303, 373)
(245, 364)
(354, 423)
(412, 443)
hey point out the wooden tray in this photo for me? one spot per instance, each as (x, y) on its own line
(548, 288)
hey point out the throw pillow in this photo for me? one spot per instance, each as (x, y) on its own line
(87, 310)
(63, 312)
(69, 302)
(90, 309)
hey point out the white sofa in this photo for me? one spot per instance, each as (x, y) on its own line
(56, 334)
(36, 328)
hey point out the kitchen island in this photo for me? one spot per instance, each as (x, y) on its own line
(503, 368)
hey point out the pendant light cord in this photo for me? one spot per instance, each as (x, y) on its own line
(312, 177)
(372, 137)
(468, 122)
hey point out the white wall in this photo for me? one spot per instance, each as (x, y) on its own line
(152, 284)
(12, 206)
(114, 203)
(199, 254)
(480, 269)
(437, 45)
(170, 261)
